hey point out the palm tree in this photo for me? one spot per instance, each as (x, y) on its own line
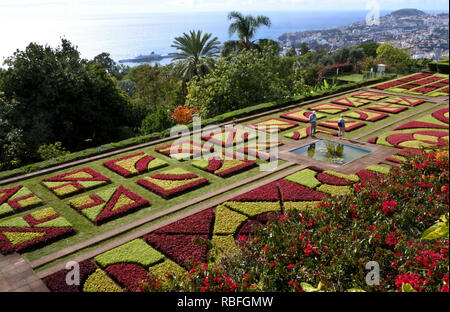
(246, 26)
(196, 53)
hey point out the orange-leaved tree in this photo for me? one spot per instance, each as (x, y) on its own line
(182, 114)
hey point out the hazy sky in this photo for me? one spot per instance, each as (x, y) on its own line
(28, 7)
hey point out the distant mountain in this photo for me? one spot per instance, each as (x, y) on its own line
(407, 12)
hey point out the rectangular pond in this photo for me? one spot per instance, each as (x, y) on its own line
(333, 152)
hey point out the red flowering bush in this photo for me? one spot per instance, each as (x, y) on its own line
(382, 219)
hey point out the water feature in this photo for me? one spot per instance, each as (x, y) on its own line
(333, 152)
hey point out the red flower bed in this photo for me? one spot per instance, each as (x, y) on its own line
(387, 108)
(420, 124)
(57, 281)
(111, 211)
(167, 194)
(291, 191)
(372, 140)
(327, 179)
(214, 164)
(174, 177)
(425, 90)
(199, 223)
(317, 169)
(179, 248)
(268, 192)
(388, 85)
(141, 165)
(426, 81)
(129, 276)
(439, 84)
(408, 86)
(440, 115)
(396, 139)
(367, 175)
(246, 165)
(444, 90)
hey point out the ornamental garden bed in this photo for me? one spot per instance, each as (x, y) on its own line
(177, 248)
(70, 183)
(33, 230)
(419, 84)
(428, 131)
(172, 182)
(16, 199)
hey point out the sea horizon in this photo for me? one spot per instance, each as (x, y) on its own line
(125, 36)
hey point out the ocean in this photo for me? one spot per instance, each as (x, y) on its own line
(126, 36)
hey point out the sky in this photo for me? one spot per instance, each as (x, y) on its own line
(29, 7)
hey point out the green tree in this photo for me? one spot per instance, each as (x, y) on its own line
(104, 59)
(157, 121)
(246, 27)
(395, 58)
(246, 79)
(370, 48)
(292, 51)
(196, 52)
(52, 95)
(304, 49)
(49, 151)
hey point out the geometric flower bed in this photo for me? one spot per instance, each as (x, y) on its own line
(349, 101)
(405, 101)
(108, 204)
(173, 249)
(184, 150)
(172, 182)
(401, 81)
(305, 132)
(372, 96)
(33, 230)
(272, 125)
(135, 164)
(367, 115)
(73, 182)
(387, 108)
(16, 199)
(229, 136)
(260, 150)
(428, 131)
(349, 124)
(224, 167)
(300, 115)
(420, 84)
(328, 108)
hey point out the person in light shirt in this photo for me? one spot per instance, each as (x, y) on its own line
(312, 122)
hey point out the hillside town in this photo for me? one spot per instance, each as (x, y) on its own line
(425, 35)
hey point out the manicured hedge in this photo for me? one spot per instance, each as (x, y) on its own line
(240, 113)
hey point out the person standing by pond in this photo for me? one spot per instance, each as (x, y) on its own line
(341, 126)
(313, 121)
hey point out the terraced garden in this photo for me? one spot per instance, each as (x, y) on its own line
(147, 210)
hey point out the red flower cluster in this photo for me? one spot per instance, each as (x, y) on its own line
(389, 207)
(415, 280)
(268, 192)
(141, 165)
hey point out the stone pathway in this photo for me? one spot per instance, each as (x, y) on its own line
(16, 275)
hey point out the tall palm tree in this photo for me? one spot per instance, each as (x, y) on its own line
(196, 53)
(246, 26)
